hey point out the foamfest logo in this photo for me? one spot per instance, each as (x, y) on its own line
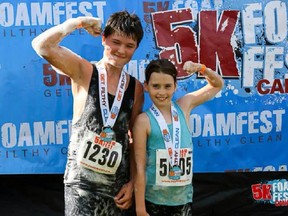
(24, 19)
(34, 140)
(274, 192)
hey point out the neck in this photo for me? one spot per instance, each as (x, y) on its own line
(165, 109)
(111, 69)
(166, 113)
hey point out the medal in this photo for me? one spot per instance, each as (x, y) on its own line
(107, 134)
(109, 116)
(172, 144)
(175, 173)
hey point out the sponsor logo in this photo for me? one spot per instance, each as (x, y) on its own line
(274, 192)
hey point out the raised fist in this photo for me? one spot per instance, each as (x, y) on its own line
(191, 67)
(91, 24)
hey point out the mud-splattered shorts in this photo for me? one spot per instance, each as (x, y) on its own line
(156, 210)
(82, 202)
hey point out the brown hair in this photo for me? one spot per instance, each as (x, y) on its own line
(124, 23)
(160, 66)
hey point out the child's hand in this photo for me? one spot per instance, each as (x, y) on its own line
(91, 24)
(191, 67)
(123, 199)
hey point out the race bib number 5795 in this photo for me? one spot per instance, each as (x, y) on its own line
(98, 155)
(163, 167)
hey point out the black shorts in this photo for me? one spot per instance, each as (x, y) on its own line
(161, 210)
(83, 202)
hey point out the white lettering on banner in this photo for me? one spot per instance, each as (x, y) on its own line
(268, 64)
(44, 13)
(35, 134)
(225, 124)
(193, 4)
(280, 186)
(256, 18)
(252, 19)
(23, 153)
(137, 69)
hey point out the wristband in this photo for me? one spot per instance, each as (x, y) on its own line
(203, 68)
(79, 26)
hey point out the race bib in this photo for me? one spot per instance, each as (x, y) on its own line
(99, 155)
(163, 168)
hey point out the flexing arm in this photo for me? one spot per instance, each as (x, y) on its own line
(62, 59)
(214, 85)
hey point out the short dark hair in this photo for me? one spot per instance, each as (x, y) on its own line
(124, 22)
(160, 66)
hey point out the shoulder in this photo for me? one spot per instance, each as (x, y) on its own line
(138, 86)
(84, 74)
(142, 118)
(83, 79)
(142, 124)
(142, 121)
(138, 91)
(134, 83)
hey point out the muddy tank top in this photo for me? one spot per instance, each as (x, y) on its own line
(91, 119)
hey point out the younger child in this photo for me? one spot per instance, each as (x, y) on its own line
(163, 144)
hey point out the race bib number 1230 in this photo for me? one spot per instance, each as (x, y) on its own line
(98, 155)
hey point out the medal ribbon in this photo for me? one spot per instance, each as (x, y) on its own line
(109, 117)
(172, 147)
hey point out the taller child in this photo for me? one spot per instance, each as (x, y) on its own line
(106, 101)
